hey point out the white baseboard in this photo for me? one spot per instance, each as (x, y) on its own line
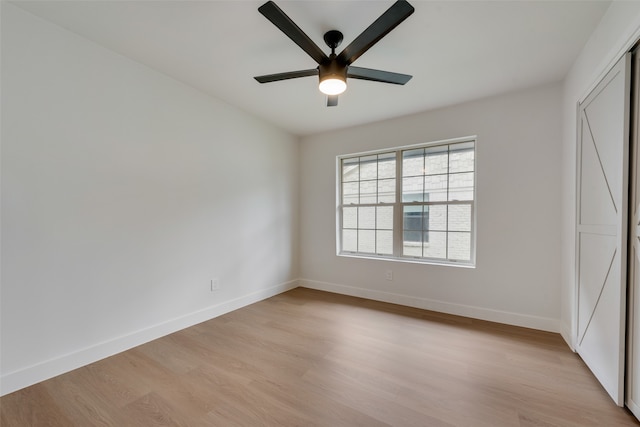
(509, 318)
(565, 331)
(25, 377)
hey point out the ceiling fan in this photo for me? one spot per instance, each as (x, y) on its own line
(333, 70)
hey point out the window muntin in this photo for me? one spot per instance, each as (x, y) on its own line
(427, 214)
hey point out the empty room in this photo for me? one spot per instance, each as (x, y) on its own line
(320, 213)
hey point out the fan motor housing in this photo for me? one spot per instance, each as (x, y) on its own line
(332, 69)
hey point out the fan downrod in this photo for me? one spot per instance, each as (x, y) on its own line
(333, 38)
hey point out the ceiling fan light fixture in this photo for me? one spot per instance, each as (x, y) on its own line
(333, 77)
(332, 69)
(332, 85)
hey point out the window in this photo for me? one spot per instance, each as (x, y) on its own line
(413, 203)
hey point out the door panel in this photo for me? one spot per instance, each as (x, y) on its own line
(601, 247)
(604, 117)
(595, 188)
(598, 255)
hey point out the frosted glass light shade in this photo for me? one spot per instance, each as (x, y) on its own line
(332, 86)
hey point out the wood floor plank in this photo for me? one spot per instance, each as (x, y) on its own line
(151, 410)
(81, 404)
(319, 407)
(32, 406)
(370, 396)
(310, 358)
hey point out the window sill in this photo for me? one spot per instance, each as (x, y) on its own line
(409, 260)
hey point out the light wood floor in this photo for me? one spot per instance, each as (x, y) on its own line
(308, 358)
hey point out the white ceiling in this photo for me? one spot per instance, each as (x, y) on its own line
(456, 50)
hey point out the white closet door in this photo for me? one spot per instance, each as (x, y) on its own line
(633, 323)
(601, 245)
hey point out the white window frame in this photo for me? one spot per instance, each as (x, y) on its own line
(399, 204)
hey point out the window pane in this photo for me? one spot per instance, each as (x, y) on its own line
(437, 245)
(367, 217)
(412, 189)
(387, 165)
(460, 246)
(368, 167)
(412, 218)
(387, 191)
(350, 240)
(350, 170)
(412, 236)
(459, 218)
(436, 159)
(367, 241)
(412, 243)
(384, 218)
(461, 186)
(368, 191)
(349, 217)
(437, 218)
(350, 193)
(413, 162)
(461, 158)
(384, 242)
(435, 188)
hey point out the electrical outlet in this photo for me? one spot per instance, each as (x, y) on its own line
(389, 275)
(215, 284)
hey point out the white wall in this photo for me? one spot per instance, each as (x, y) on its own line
(123, 193)
(616, 33)
(517, 276)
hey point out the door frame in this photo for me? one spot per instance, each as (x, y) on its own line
(634, 199)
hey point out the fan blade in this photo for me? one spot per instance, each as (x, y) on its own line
(332, 100)
(285, 76)
(278, 18)
(377, 75)
(397, 13)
